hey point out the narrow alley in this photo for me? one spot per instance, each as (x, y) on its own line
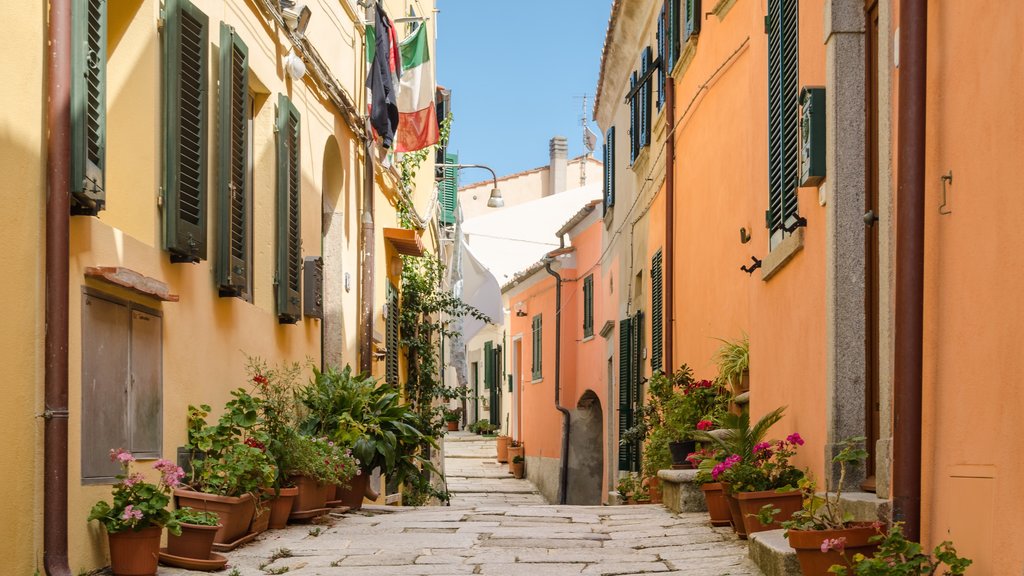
(496, 525)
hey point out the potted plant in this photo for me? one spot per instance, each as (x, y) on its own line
(897, 556)
(137, 516)
(198, 529)
(501, 445)
(733, 360)
(517, 466)
(631, 489)
(451, 418)
(515, 448)
(316, 466)
(718, 507)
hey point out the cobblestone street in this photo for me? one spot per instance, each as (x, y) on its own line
(497, 525)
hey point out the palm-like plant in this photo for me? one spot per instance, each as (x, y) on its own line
(737, 436)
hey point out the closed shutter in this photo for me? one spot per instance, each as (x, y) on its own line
(449, 189)
(637, 340)
(783, 115)
(289, 231)
(588, 306)
(662, 39)
(657, 319)
(88, 106)
(538, 344)
(673, 33)
(233, 184)
(626, 449)
(645, 99)
(391, 336)
(609, 168)
(634, 116)
(693, 17)
(185, 42)
(488, 365)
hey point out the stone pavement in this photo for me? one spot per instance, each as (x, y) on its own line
(508, 532)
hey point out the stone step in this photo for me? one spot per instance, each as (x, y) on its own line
(770, 551)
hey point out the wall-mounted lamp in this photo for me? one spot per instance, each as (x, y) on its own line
(296, 16)
(495, 200)
(294, 66)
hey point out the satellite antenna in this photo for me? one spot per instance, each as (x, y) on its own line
(589, 141)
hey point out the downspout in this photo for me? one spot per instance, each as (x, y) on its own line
(563, 476)
(366, 262)
(55, 379)
(910, 221)
(670, 219)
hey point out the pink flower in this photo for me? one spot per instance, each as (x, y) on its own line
(121, 455)
(133, 479)
(131, 513)
(762, 446)
(837, 544)
(725, 465)
(171, 473)
(705, 425)
(795, 438)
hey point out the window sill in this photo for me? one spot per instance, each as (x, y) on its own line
(639, 165)
(587, 339)
(608, 217)
(781, 254)
(537, 380)
(685, 58)
(722, 8)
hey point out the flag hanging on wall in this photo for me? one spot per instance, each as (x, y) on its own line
(417, 123)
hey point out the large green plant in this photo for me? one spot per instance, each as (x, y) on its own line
(737, 436)
(732, 359)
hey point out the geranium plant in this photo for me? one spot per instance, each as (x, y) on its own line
(189, 515)
(767, 468)
(138, 504)
(827, 513)
(897, 556)
(319, 458)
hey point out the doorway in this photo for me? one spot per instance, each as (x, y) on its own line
(517, 358)
(586, 451)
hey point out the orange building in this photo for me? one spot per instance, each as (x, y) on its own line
(766, 135)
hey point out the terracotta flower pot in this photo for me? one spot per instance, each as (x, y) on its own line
(502, 444)
(135, 553)
(814, 562)
(735, 515)
(718, 506)
(514, 451)
(312, 495)
(453, 425)
(260, 520)
(752, 502)
(196, 541)
(352, 495)
(654, 489)
(281, 506)
(235, 513)
(518, 468)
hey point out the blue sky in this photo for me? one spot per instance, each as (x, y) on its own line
(516, 71)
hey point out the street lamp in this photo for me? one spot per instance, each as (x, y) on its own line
(495, 201)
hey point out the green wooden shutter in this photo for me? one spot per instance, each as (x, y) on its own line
(673, 33)
(783, 114)
(634, 116)
(609, 168)
(588, 306)
(693, 18)
(392, 343)
(662, 41)
(636, 376)
(538, 346)
(88, 106)
(449, 189)
(626, 449)
(657, 319)
(488, 365)
(232, 154)
(186, 72)
(289, 194)
(645, 99)
(495, 388)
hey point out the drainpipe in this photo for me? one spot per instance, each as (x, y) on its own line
(55, 379)
(563, 476)
(670, 219)
(910, 222)
(366, 269)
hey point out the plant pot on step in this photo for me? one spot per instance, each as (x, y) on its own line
(518, 467)
(814, 562)
(751, 503)
(312, 495)
(514, 451)
(680, 450)
(352, 495)
(453, 425)
(135, 553)
(281, 506)
(501, 443)
(718, 506)
(653, 489)
(235, 513)
(196, 541)
(735, 515)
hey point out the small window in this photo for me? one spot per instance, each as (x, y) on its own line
(122, 383)
(588, 306)
(538, 344)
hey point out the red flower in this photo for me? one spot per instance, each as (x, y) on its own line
(260, 379)
(254, 443)
(705, 425)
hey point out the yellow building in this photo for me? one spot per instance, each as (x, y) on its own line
(212, 182)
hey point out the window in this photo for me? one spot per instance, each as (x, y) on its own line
(668, 43)
(289, 229)
(88, 106)
(640, 105)
(121, 383)
(185, 41)
(234, 235)
(538, 343)
(630, 387)
(657, 318)
(391, 336)
(693, 17)
(783, 118)
(588, 306)
(609, 168)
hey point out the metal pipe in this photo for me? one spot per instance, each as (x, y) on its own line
(55, 379)
(670, 219)
(494, 176)
(563, 475)
(366, 262)
(910, 222)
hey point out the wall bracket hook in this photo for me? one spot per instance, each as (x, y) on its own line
(749, 269)
(800, 222)
(947, 179)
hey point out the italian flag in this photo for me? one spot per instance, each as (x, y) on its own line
(417, 124)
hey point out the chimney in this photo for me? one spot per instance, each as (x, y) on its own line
(559, 148)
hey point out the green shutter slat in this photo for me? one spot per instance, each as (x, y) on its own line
(88, 106)
(588, 306)
(783, 112)
(448, 189)
(636, 376)
(186, 78)
(634, 129)
(233, 192)
(488, 365)
(289, 225)
(662, 38)
(538, 347)
(774, 213)
(609, 168)
(625, 393)
(392, 341)
(645, 100)
(657, 318)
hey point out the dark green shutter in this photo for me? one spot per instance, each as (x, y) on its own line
(673, 33)
(693, 17)
(588, 306)
(391, 336)
(783, 114)
(495, 387)
(609, 168)
(186, 80)
(233, 164)
(289, 194)
(626, 449)
(636, 376)
(488, 365)
(538, 344)
(645, 99)
(449, 189)
(662, 39)
(657, 319)
(634, 116)
(88, 106)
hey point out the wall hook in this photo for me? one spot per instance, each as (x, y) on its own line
(750, 269)
(800, 222)
(744, 236)
(946, 179)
